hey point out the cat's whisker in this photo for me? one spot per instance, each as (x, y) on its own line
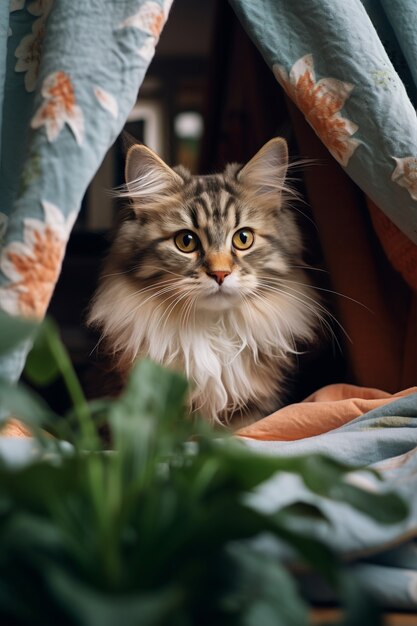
(302, 300)
(269, 306)
(161, 292)
(96, 346)
(307, 217)
(308, 267)
(279, 281)
(189, 300)
(166, 271)
(172, 306)
(138, 292)
(282, 289)
(190, 319)
(158, 293)
(169, 281)
(124, 272)
(313, 309)
(186, 312)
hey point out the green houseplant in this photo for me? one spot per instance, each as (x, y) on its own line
(158, 529)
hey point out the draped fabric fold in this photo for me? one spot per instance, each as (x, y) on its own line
(355, 93)
(349, 69)
(69, 76)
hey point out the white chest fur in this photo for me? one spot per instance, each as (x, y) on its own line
(225, 355)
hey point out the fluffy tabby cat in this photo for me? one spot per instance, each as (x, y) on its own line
(205, 274)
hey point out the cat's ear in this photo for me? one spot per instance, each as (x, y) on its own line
(264, 174)
(147, 175)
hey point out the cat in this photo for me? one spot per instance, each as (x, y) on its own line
(205, 274)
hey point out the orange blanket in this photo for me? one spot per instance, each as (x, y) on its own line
(326, 409)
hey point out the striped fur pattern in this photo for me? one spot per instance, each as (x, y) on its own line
(231, 319)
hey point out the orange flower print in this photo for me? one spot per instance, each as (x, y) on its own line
(59, 108)
(107, 101)
(321, 103)
(32, 265)
(405, 174)
(150, 19)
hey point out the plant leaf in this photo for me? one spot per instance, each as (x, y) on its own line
(386, 508)
(322, 475)
(303, 510)
(154, 390)
(23, 403)
(361, 608)
(263, 592)
(93, 607)
(14, 331)
(41, 365)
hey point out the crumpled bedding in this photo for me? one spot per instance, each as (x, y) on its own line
(323, 411)
(385, 438)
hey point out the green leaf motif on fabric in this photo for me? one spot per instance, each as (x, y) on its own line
(59, 108)
(385, 79)
(31, 173)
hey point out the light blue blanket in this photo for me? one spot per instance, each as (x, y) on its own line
(384, 556)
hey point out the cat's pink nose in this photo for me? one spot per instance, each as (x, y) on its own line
(219, 276)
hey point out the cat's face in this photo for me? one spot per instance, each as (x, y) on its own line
(212, 242)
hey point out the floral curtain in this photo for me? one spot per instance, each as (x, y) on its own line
(69, 75)
(350, 67)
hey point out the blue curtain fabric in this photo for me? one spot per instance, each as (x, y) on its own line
(69, 75)
(350, 67)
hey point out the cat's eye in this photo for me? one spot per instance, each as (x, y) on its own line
(186, 241)
(243, 239)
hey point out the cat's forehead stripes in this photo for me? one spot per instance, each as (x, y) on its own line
(213, 207)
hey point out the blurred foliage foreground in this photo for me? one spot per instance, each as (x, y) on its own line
(158, 530)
